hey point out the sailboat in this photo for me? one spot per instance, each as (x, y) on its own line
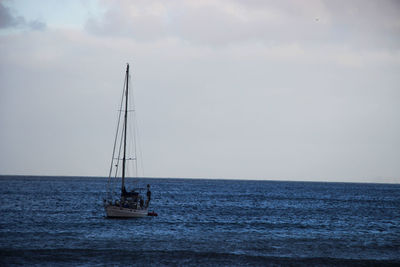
(128, 204)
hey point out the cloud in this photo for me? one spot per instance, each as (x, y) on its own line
(205, 22)
(6, 19)
(362, 24)
(9, 20)
(37, 25)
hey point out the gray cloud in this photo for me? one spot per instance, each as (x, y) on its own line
(362, 24)
(9, 20)
(37, 25)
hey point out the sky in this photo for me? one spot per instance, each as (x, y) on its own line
(238, 89)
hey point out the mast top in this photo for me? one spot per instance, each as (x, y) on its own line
(125, 127)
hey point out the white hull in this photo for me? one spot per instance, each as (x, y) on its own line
(121, 212)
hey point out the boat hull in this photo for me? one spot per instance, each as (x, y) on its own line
(121, 212)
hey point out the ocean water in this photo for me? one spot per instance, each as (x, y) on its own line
(49, 221)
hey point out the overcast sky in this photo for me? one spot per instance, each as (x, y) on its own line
(247, 89)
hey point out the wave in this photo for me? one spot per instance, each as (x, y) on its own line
(91, 257)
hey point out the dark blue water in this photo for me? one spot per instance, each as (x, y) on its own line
(61, 221)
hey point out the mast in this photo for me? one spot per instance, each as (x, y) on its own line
(125, 127)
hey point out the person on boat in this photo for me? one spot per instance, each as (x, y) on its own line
(124, 192)
(141, 203)
(148, 195)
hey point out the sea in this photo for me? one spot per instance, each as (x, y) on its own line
(60, 221)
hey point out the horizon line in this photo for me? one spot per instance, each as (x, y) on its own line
(198, 178)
